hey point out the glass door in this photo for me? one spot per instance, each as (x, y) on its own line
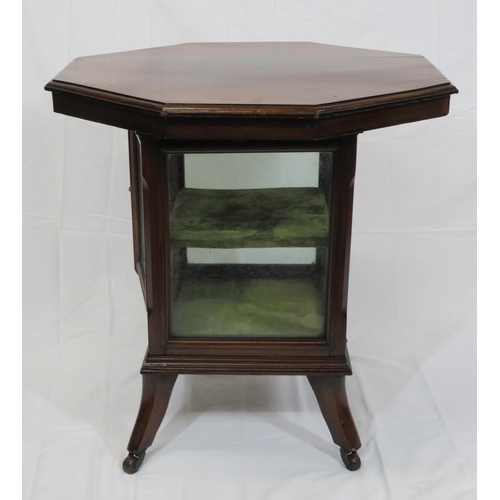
(249, 239)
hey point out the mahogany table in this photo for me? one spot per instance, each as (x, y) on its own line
(249, 315)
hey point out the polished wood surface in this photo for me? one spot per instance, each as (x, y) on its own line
(154, 155)
(332, 399)
(324, 360)
(245, 97)
(252, 74)
(156, 392)
(246, 90)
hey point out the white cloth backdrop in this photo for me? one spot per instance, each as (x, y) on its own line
(412, 287)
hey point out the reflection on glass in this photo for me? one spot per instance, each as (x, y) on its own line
(142, 231)
(248, 261)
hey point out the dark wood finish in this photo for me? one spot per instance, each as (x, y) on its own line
(341, 204)
(195, 77)
(156, 392)
(264, 91)
(242, 350)
(136, 190)
(245, 97)
(409, 107)
(238, 146)
(156, 209)
(286, 364)
(332, 399)
(342, 155)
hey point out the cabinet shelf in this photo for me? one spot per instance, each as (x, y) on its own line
(249, 218)
(251, 308)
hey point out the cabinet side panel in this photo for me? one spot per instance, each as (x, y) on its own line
(156, 242)
(343, 172)
(137, 198)
(134, 191)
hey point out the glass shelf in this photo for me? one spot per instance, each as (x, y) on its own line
(249, 218)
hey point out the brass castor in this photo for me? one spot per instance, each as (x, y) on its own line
(132, 463)
(351, 459)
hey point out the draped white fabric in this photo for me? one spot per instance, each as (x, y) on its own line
(411, 317)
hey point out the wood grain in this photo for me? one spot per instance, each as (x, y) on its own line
(246, 97)
(183, 77)
(244, 91)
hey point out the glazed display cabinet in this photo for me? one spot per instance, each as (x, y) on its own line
(248, 277)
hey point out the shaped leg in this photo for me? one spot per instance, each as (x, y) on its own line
(156, 391)
(332, 398)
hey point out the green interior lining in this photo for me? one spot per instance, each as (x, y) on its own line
(248, 308)
(249, 218)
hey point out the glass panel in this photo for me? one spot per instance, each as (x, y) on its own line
(142, 234)
(249, 237)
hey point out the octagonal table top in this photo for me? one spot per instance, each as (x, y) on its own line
(293, 80)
